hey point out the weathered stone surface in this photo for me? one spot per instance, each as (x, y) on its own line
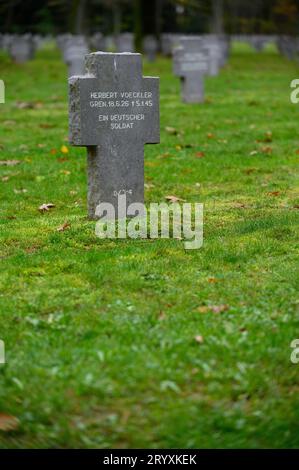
(191, 63)
(114, 111)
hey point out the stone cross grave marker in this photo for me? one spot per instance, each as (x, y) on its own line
(191, 63)
(150, 47)
(125, 42)
(215, 60)
(97, 42)
(114, 111)
(74, 50)
(21, 48)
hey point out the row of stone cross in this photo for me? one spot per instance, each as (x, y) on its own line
(22, 48)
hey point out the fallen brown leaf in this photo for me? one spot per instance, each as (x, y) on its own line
(200, 154)
(161, 316)
(267, 150)
(63, 227)
(213, 308)
(46, 126)
(248, 171)
(173, 198)
(8, 423)
(274, 193)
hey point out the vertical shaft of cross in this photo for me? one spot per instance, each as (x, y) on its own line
(111, 174)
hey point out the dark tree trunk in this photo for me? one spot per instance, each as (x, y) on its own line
(217, 22)
(116, 18)
(138, 26)
(158, 18)
(80, 17)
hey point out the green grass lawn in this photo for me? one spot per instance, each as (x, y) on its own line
(100, 334)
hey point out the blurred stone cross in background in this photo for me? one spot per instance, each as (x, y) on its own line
(191, 63)
(114, 111)
(74, 49)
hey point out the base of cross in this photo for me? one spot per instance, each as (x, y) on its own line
(110, 175)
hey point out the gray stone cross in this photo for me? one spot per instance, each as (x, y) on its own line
(114, 111)
(191, 63)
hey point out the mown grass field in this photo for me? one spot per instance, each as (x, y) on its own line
(100, 334)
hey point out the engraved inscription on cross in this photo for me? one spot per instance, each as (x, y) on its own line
(114, 111)
(191, 63)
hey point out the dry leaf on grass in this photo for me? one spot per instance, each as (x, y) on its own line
(10, 162)
(200, 154)
(213, 308)
(63, 227)
(267, 150)
(8, 423)
(274, 193)
(248, 171)
(198, 339)
(46, 126)
(24, 105)
(173, 199)
(171, 130)
(46, 207)
(212, 280)
(20, 191)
